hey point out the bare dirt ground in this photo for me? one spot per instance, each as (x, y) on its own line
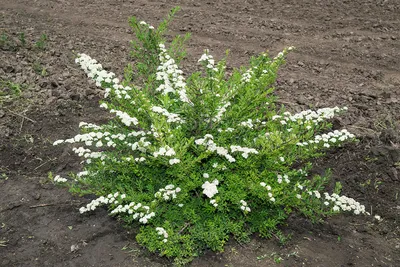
(348, 54)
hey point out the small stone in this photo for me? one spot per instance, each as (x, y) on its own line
(54, 84)
(74, 248)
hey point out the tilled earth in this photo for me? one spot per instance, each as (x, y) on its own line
(347, 54)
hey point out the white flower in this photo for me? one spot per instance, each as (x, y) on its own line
(58, 142)
(59, 179)
(263, 184)
(210, 189)
(377, 217)
(169, 187)
(300, 187)
(206, 175)
(336, 208)
(174, 161)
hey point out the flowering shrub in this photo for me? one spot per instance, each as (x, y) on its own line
(197, 158)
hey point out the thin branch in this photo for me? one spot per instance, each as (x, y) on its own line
(22, 116)
(184, 227)
(40, 205)
(41, 165)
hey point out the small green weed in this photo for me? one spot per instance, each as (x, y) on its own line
(22, 39)
(7, 43)
(4, 176)
(42, 42)
(39, 69)
(9, 88)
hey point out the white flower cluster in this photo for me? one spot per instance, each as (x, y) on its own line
(230, 130)
(309, 115)
(87, 138)
(221, 111)
(167, 193)
(244, 206)
(214, 203)
(143, 216)
(140, 145)
(246, 77)
(248, 123)
(138, 210)
(89, 125)
(210, 189)
(270, 195)
(57, 142)
(110, 199)
(164, 151)
(104, 105)
(88, 154)
(59, 179)
(171, 76)
(284, 177)
(119, 91)
(82, 173)
(266, 186)
(245, 151)
(128, 208)
(279, 56)
(125, 118)
(161, 231)
(211, 146)
(171, 117)
(209, 60)
(329, 138)
(145, 24)
(345, 204)
(174, 161)
(95, 70)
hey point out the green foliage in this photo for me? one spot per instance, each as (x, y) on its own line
(42, 42)
(9, 89)
(21, 37)
(200, 159)
(39, 68)
(16, 41)
(145, 49)
(8, 43)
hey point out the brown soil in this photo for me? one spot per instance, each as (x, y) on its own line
(348, 54)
